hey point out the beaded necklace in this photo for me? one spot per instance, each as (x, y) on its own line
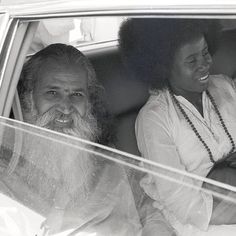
(196, 131)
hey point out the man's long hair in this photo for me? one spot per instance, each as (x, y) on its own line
(47, 162)
(65, 54)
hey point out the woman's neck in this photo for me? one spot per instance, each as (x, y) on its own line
(193, 97)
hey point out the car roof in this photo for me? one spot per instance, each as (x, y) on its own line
(24, 9)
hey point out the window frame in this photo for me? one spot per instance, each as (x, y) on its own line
(16, 54)
(28, 16)
(20, 35)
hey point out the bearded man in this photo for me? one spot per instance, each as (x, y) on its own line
(58, 90)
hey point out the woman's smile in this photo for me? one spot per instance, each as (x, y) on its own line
(204, 79)
(190, 71)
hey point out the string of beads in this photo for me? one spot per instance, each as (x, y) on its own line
(196, 131)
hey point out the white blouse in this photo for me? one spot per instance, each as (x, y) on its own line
(164, 136)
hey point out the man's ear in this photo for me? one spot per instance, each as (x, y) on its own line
(88, 107)
(33, 109)
(30, 114)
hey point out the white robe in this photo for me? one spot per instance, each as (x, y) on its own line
(164, 136)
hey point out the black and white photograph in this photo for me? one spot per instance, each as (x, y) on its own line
(117, 118)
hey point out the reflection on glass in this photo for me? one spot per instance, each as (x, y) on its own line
(75, 31)
(98, 189)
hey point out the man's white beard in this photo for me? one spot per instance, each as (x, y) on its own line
(51, 163)
(85, 128)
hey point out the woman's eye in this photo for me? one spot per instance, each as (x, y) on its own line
(205, 53)
(191, 62)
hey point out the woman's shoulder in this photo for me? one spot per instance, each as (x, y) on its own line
(222, 88)
(156, 106)
(221, 81)
(157, 101)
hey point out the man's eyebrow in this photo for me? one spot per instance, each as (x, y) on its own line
(78, 89)
(52, 87)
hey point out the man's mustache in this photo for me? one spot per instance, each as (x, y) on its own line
(85, 127)
(47, 119)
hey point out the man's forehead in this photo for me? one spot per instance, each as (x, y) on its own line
(57, 63)
(59, 74)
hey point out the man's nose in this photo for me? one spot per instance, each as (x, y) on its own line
(65, 106)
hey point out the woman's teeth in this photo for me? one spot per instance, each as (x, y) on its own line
(204, 78)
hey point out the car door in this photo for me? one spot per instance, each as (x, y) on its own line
(18, 165)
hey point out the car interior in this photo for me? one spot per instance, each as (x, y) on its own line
(124, 94)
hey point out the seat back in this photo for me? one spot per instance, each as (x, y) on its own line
(125, 96)
(224, 58)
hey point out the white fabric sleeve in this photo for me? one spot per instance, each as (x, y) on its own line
(189, 206)
(153, 220)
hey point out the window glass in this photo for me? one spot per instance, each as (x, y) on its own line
(49, 173)
(3, 18)
(81, 187)
(76, 31)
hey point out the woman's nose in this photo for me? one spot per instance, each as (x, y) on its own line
(205, 63)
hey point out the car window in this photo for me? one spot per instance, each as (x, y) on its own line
(109, 190)
(76, 31)
(3, 22)
(33, 162)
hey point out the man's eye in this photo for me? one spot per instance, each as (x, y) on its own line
(77, 94)
(51, 92)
